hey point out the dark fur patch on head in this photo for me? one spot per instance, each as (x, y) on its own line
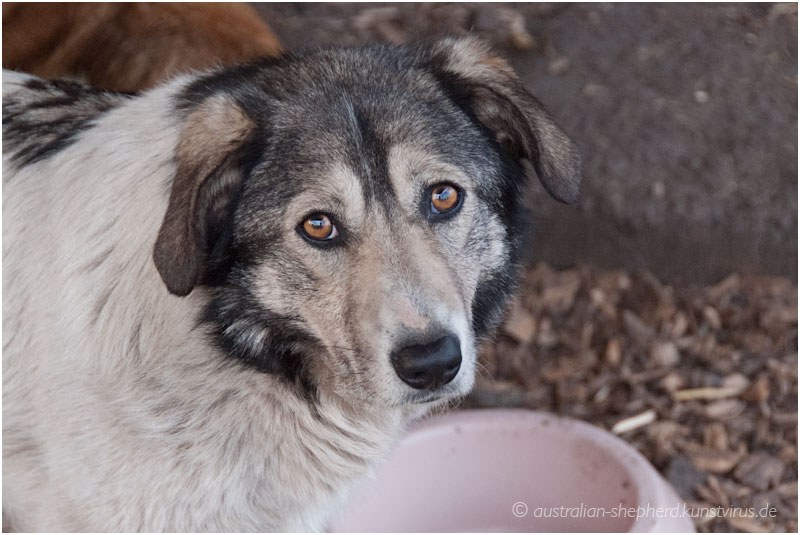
(490, 299)
(48, 116)
(367, 155)
(493, 293)
(247, 332)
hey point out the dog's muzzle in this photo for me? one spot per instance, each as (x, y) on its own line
(428, 365)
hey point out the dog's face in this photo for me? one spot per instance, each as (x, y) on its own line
(359, 213)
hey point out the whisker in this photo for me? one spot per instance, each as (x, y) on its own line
(483, 371)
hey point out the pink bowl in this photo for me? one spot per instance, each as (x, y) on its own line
(514, 470)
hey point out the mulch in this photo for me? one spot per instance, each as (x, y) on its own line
(702, 381)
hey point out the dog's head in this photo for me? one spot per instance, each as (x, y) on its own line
(358, 213)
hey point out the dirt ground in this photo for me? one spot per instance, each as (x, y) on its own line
(669, 292)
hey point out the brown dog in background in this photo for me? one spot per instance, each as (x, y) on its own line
(131, 46)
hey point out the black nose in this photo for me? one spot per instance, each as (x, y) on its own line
(428, 365)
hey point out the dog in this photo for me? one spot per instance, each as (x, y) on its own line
(130, 46)
(226, 298)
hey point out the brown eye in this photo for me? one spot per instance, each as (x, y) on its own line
(319, 227)
(444, 198)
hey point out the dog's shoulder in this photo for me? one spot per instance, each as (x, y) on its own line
(42, 117)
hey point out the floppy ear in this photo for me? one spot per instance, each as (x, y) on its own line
(486, 86)
(207, 177)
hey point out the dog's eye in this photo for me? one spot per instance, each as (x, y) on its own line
(319, 227)
(444, 199)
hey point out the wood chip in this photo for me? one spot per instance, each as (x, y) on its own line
(715, 436)
(683, 475)
(724, 409)
(671, 382)
(613, 353)
(760, 471)
(789, 489)
(736, 380)
(637, 328)
(521, 325)
(709, 392)
(634, 422)
(558, 296)
(728, 285)
(599, 299)
(716, 487)
(712, 317)
(713, 460)
(713, 492)
(702, 513)
(665, 354)
(546, 337)
(666, 430)
(784, 418)
(679, 326)
(758, 391)
(749, 525)
(779, 314)
(776, 501)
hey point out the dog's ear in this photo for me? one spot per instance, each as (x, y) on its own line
(208, 175)
(487, 88)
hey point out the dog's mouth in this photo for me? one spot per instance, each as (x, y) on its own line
(442, 393)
